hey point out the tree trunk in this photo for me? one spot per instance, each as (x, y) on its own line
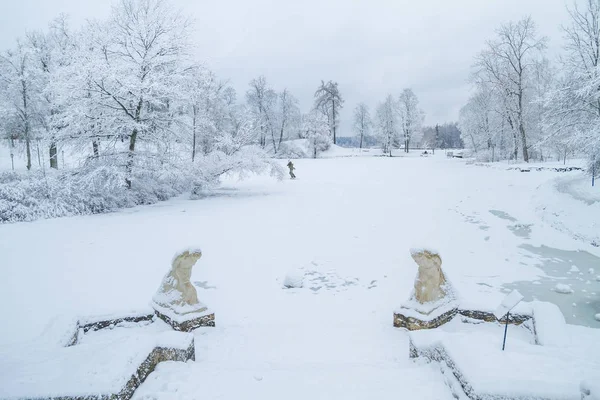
(28, 151)
(263, 135)
(132, 140)
(362, 132)
(194, 135)
(53, 155)
(521, 127)
(37, 146)
(524, 143)
(26, 118)
(333, 120)
(281, 132)
(473, 142)
(274, 142)
(129, 166)
(12, 153)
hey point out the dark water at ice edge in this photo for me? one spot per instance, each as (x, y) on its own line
(578, 269)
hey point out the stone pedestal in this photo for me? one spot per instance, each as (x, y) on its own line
(188, 322)
(412, 320)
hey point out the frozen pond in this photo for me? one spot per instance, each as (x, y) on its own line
(579, 270)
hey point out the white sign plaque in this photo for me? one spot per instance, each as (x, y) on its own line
(509, 302)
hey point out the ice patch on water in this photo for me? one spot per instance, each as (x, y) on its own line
(503, 215)
(557, 264)
(521, 230)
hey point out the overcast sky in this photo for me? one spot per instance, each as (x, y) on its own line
(371, 47)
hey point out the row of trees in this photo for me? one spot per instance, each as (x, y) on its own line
(397, 121)
(445, 136)
(279, 118)
(523, 107)
(126, 92)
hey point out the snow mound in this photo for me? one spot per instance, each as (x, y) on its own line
(563, 288)
(293, 280)
(550, 325)
(61, 331)
(574, 269)
(522, 371)
(94, 370)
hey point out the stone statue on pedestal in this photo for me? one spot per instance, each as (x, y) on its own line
(176, 301)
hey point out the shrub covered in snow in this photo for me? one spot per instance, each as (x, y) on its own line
(97, 187)
(293, 149)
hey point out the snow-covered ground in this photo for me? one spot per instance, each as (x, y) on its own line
(343, 229)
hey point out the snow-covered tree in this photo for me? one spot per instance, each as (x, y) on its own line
(131, 70)
(508, 66)
(210, 109)
(445, 136)
(127, 86)
(329, 101)
(573, 108)
(315, 127)
(20, 95)
(362, 122)
(410, 116)
(51, 51)
(287, 116)
(478, 121)
(386, 125)
(262, 100)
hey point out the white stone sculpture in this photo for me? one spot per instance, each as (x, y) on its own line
(430, 285)
(176, 300)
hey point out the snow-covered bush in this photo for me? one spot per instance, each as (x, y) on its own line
(484, 155)
(56, 194)
(293, 149)
(316, 128)
(97, 187)
(205, 173)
